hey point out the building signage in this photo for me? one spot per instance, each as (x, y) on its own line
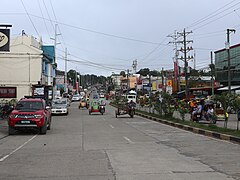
(39, 91)
(8, 92)
(4, 39)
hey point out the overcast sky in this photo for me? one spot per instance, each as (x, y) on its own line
(105, 36)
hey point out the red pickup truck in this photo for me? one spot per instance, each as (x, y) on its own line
(30, 112)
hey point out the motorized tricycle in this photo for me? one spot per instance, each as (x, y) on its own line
(95, 106)
(83, 104)
(125, 108)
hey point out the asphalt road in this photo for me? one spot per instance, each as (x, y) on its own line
(102, 147)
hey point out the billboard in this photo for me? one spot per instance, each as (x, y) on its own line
(8, 92)
(4, 39)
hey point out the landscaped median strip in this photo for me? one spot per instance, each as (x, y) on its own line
(212, 134)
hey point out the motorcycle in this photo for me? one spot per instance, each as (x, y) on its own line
(197, 117)
(102, 109)
(5, 111)
(131, 111)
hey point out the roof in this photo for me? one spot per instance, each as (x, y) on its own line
(32, 99)
(226, 88)
(236, 45)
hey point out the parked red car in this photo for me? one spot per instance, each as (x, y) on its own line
(29, 113)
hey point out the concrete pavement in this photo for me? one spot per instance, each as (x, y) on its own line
(89, 147)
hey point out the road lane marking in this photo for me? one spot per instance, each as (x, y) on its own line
(5, 157)
(104, 119)
(111, 126)
(127, 139)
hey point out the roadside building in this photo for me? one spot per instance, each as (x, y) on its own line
(116, 80)
(29, 68)
(221, 65)
(59, 79)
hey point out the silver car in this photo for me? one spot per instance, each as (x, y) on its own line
(60, 106)
(76, 97)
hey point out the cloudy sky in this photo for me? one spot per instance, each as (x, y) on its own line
(105, 36)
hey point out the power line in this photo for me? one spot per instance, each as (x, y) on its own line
(152, 51)
(209, 16)
(90, 64)
(30, 18)
(127, 60)
(48, 15)
(44, 19)
(102, 33)
(215, 19)
(57, 22)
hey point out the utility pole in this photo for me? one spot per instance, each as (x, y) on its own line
(76, 79)
(175, 36)
(134, 65)
(150, 93)
(55, 41)
(212, 69)
(65, 73)
(127, 81)
(228, 58)
(186, 58)
(163, 86)
(55, 44)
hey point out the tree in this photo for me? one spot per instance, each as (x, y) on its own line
(224, 100)
(144, 72)
(122, 73)
(155, 73)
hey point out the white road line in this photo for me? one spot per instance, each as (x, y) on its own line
(104, 119)
(111, 126)
(5, 157)
(127, 139)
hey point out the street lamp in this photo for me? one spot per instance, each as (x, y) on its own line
(78, 82)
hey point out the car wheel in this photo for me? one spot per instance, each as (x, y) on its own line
(11, 130)
(49, 124)
(43, 130)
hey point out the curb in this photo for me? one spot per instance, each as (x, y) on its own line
(208, 133)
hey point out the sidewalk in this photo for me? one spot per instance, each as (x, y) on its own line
(232, 121)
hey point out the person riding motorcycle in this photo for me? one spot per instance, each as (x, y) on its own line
(197, 111)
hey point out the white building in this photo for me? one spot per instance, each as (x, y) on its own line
(24, 66)
(116, 80)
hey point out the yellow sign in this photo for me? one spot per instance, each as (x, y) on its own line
(154, 86)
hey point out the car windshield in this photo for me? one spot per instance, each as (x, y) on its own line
(29, 105)
(61, 102)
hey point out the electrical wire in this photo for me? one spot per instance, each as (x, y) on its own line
(215, 19)
(57, 26)
(155, 49)
(48, 15)
(43, 19)
(209, 16)
(30, 18)
(101, 33)
(91, 65)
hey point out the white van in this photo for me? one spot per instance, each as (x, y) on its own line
(132, 96)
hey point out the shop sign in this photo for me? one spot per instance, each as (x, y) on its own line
(8, 92)
(4, 39)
